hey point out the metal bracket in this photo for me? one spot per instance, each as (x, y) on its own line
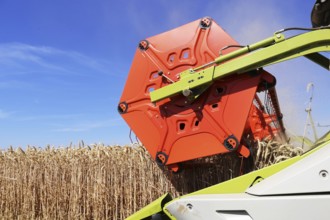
(319, 59)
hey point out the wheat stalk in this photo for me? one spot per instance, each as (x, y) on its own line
(107, 182)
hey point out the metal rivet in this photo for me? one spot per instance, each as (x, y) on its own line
(189, 206)
(324, 174)
(186, 92)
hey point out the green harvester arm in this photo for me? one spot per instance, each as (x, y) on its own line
(264, 53)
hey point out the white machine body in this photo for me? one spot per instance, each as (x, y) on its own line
(301, 191)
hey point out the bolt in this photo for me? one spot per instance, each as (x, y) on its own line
(186, 92)
(206, 22)
(278, 36)
(324, 174)
(143, 45)
(189, 206)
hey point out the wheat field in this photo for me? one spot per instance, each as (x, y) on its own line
(107, 182)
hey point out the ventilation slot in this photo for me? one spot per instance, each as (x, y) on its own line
(171, 58)
(219, 90)
(150, 88)
(182, 126)
(185, 54)
(154, 75)
(196, 123)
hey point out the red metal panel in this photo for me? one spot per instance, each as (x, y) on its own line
(176, 130)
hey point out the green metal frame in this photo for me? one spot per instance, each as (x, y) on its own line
(267, 52)
(151, 209)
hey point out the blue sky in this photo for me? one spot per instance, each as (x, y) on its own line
(63, 64)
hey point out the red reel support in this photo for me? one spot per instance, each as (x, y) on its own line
(176, 129)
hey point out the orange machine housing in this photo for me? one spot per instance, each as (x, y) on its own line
(226, 117)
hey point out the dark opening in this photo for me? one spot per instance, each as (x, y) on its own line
(219, 90)
(215, 105)
(182, 126)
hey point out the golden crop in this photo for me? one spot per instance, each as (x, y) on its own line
(105, 182)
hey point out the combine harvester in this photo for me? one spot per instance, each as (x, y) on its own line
(185, 102)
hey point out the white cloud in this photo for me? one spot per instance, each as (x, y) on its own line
(48, 117)
(248, 21)
(16, 54)
(14, 84)
(4, 114)
(24, 58)
(90, 125)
